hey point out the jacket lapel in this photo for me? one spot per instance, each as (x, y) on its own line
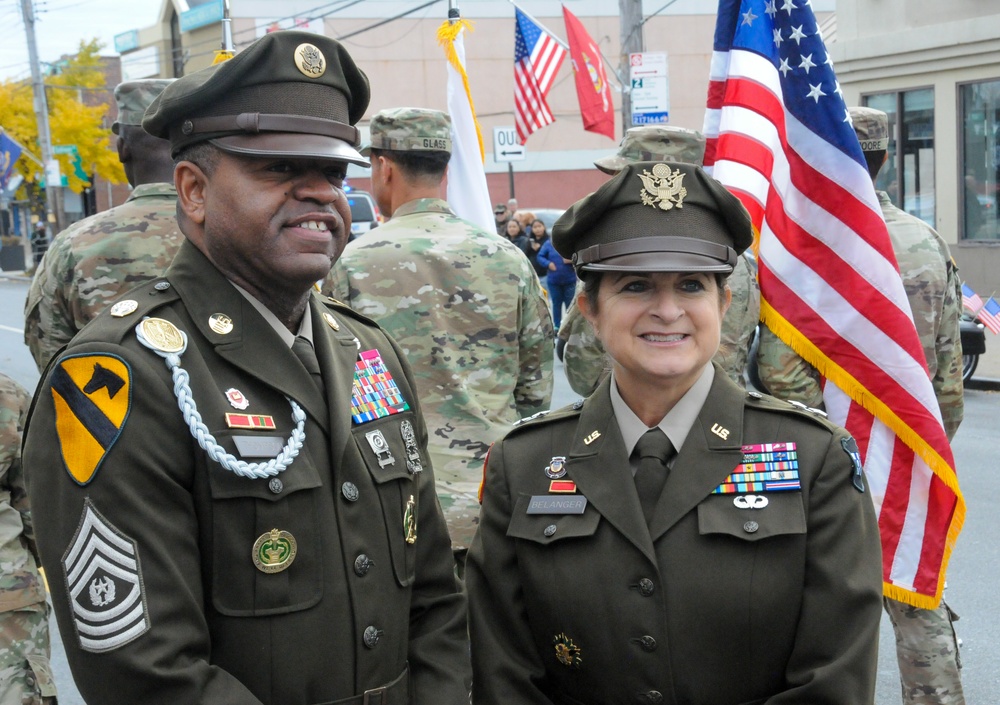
(252, 345)
(599, 465)
(337, 352)
(712, 451)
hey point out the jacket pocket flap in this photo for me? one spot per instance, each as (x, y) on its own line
(782, 514)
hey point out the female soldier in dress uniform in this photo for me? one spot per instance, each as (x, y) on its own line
(673, 538)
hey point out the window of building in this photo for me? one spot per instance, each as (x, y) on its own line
(908, 176)
(980, 165)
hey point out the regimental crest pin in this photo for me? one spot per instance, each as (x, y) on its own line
(567, 653)
(236, 399)
(556, 467)
(662, 188)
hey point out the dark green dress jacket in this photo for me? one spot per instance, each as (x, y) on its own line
(713, 604)
(150, 556)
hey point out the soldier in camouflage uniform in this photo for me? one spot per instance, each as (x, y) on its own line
(94, 260)
(926, 645)
(464, 304)
(583, 354)
(25, 675)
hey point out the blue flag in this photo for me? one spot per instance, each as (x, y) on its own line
(10, 152)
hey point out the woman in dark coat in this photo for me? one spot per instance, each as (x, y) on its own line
(673, 538)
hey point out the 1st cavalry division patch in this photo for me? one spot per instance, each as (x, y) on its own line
(92, 395)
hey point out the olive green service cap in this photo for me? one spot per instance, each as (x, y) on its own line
(288, 94)
(655, 143)
(410, 129)
(655, 217)
(872, 128)
(133, 97)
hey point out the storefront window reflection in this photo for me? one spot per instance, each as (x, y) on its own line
(980, 160)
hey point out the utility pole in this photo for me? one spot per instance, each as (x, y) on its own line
(42, 116)
(630, 31)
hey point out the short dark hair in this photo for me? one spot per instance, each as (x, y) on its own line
(204, 154)
(424, 164)
(874, 160)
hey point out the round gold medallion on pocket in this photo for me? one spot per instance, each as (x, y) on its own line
(274, 551)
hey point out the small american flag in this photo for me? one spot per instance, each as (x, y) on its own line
(970, 299)
(537, 58)
(779, 137)
(989, 314)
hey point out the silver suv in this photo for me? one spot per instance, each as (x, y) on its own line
(364, 213)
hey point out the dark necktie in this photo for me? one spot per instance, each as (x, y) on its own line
(654, 450)
(303, 350)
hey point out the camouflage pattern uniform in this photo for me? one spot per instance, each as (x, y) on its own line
(583, 354)
(468, 311)
(25, 675)
(93, 261)
(926, 645)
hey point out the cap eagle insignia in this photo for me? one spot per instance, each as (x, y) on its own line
(663, 188)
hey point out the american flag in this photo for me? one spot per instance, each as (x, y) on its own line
(989, 314)
(970, 299)
(780, 138)
(537, 58)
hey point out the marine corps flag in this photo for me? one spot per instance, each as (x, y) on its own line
(592, 89)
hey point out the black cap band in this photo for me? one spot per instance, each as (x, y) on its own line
(651, 245)
(255, 123)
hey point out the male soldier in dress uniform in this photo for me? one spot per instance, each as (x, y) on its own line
(25, 675)
(240, 506)
(465, 306)
(98, 258)
(926, 645)
(583, 354)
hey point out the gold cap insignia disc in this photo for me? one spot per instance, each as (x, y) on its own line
(274, 551)
(310, 60)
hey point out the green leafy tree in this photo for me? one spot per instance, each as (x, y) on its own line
(71, 122)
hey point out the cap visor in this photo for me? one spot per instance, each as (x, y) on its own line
(290, 144)
(659, 262)
(610, 165)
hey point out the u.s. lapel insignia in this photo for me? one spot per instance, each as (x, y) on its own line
(567, 653)
(720, 431)
(380, 447)
(274, 551)
(124, 308)
(663, 188)
(556, 467)
(413, 464)
(410, 521)
(236, 399)
(594, 435)
(220, 323)
(92, 395)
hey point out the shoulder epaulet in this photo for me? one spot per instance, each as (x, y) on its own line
(550, 416)
(344, 310)
(118, 320)
(765, 401)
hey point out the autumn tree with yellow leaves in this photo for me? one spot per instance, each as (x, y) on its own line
(71, 122)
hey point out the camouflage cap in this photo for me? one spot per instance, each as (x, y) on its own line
(288, 94)
(655, 217)
(872, 128)
(655, 143)
(133, 97)
(410, 129)
(499, 208)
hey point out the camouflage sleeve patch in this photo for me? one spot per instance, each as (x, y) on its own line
(104, 584)
(92, 395)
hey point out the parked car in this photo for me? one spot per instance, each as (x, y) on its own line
(365, 214)
(973, 345)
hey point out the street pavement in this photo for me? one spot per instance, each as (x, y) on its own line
(972, 573)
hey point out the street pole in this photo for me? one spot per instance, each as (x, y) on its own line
(42, 116)
(630, 31)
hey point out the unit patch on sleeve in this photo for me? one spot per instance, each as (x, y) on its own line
(104, 584)
(92, 395)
